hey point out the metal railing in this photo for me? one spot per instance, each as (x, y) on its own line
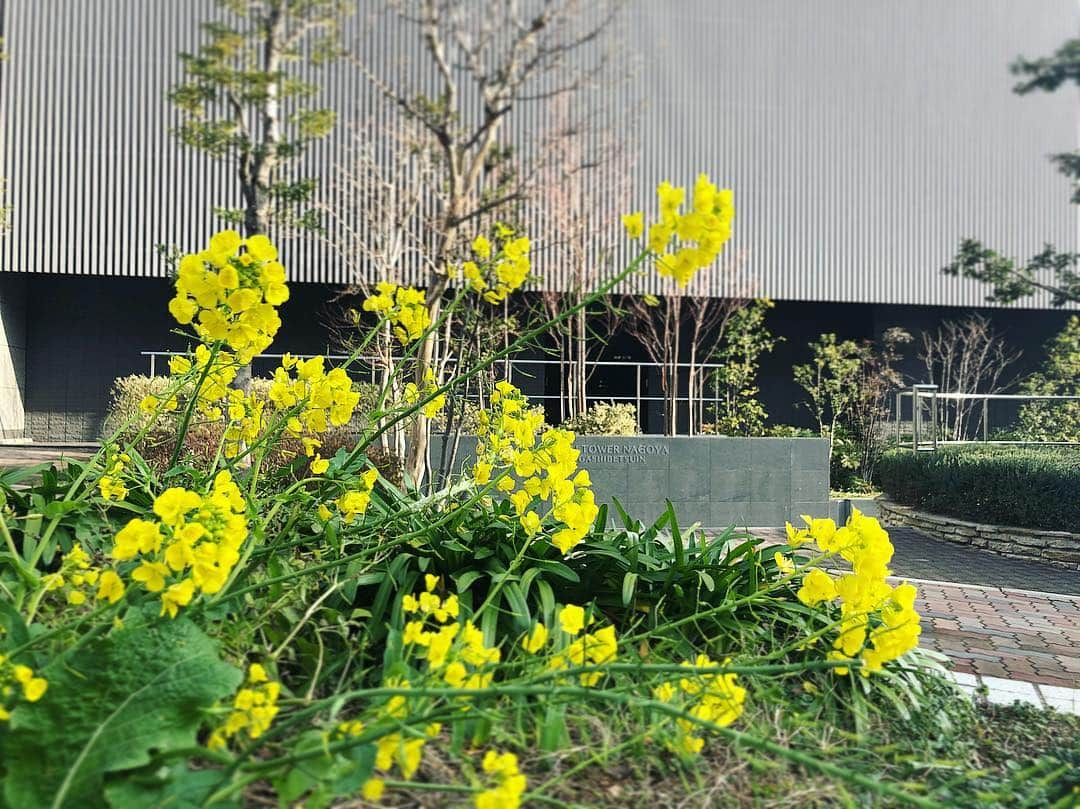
(517, 369)
(923, 394)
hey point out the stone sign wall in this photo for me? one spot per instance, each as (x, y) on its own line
(715, 481)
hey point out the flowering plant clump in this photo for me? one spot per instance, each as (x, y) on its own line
(312, 398)
(509, 784)
(590, 649)
(80, 581)
(534, 464)
(18, 682)
(253, 710)
(192, 545)
(111, 484)
(878, 622)
(684, 243)
(453, 650)
(714, 698)
(409, 627)
(404, 308)
(229, 292)
(498, 268)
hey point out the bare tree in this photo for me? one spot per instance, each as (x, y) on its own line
(661, 327)
(965, 356)
(584, 186)
(487, 59)
(694, 317)
(877, 379)
(377, 224)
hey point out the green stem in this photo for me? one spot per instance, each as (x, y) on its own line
(190, 409)
(507, 350)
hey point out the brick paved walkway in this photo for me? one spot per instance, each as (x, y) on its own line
(1015, 634)
(1020, 621)
(921, 557)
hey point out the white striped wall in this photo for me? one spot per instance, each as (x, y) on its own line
(863, 138)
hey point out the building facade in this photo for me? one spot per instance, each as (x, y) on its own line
(863, 138)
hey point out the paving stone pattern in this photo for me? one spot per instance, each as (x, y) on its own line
(923, 557)
(997, 632)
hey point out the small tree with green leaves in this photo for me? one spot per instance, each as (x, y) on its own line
(830, 380)
(848, 384)
(244, 99)
(1059, 376)
(738, 410)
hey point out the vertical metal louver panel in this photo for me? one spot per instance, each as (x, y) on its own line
(863, 138)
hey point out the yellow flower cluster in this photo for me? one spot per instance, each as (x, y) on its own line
(16, 679)
(324, 400)
(77, 577)
(246, 421)
(405, 750)
(403, 307)
(503, 267)
(356, 501)
(253, 710)
(373, 788)
(194, 543)
(111, 484)
(700, 233)
(591, 649)
(715, 698)
(457, 651)
(414, 394)
(512, 438)
(878, 622)
(231, 295)
(395, 749)
(509, 783)
(217, 373)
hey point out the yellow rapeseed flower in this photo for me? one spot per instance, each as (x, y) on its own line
(571, 619)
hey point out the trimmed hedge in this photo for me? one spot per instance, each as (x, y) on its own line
(1022, 487)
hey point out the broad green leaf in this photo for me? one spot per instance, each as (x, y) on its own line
(465, 580)
(110, 705)
(176, 787)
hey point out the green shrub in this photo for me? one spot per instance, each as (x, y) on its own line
(1059, 376)
(202, 439)
(1018, 486)
(605, 418)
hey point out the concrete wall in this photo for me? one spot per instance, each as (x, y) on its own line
(12, 356)
(714, 481)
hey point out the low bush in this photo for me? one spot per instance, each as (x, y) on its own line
(153, 436)
(772, 431)
(605, 418)
(1017, 486)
